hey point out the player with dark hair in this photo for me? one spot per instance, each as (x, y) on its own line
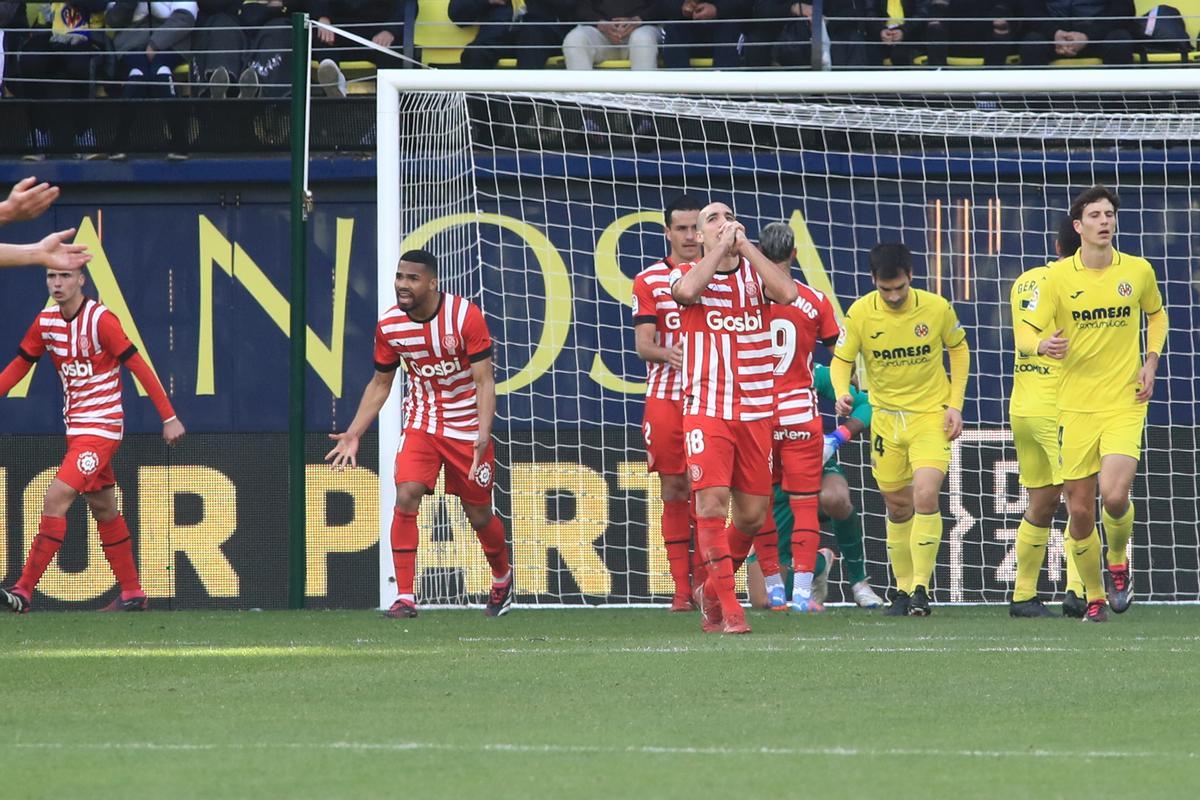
(728, 367)
(1087, 314)
(87, 346)
(444, 345)
(1034, 419)
(902, 332)
(656, 326)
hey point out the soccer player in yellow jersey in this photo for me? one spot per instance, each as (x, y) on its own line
(901, 333)
(1033, 413)
(1088, 314)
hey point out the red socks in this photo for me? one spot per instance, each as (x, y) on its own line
(739, 546)
(404, 550)
(118, 549)
(766, 547)
(677, 536)
(806, 536)
(495, 547)
(710, 536)
(49, 539)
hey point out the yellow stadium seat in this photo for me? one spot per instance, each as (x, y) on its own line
(440, 40)
(1190, 10)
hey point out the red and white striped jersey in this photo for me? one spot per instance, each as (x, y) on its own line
(437, 353)
(728, 360)
(652, 302)
(87, 351)
(795, 330)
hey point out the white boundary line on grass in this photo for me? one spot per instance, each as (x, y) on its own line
(651, 750)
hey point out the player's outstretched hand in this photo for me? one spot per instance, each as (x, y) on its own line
(844, 405)
(173, 431)
(675, 356)
(54, 252)
(27, 200)
(1055, 346)
(953, 424)
(1145, 382)
(344, 452)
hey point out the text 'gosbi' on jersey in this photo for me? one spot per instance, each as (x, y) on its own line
(728, 357)
(437, 354)
(653, 303)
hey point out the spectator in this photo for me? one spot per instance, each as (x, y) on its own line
(147, 43)
(1078, 29)
(250, 40)
(10, 17)
(789, 43)
(611, 30)
(960, 28)
(719, 23)
(68, 45)
(891, 32)
(381, 21)
(530, 30)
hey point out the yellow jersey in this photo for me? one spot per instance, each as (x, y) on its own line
(903, 349)
(1100, 314)
(1035, 378)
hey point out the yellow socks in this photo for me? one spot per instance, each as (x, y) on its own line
(1074, 582)
(1087, 558)
(898, 535)
(1031, 554)
(926, 538)
(1118, 531)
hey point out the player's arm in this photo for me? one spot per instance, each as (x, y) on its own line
(27, 200)
(16, 370)
(954, 339)
(1034, 332)
(842, 366)
(485, 403)
(645, 340)
(1156, 339)
(687, 289)
(113, 339)
(374, 396)
(53, 252)
(777, 283)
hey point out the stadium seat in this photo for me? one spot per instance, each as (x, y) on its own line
(1190, 10)
(439, 40)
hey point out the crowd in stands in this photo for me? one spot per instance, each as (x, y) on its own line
(241, 48)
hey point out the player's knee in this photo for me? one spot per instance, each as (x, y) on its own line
(58, 500)
(478, 516)
(836, 503)
(409, 502)
(674, 488)
(1116, 503)
(712, 503)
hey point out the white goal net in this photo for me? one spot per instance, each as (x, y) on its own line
(543, 201)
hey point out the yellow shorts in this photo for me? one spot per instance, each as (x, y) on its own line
(1086, 437)
(1036, 440)
(901, 443)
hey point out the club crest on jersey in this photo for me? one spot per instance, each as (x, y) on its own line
(483, 475)
(450, 343)
(88, 462)
(921, 330)
(85, 344)
(752, 289)
(1124, 289)
(696, 473)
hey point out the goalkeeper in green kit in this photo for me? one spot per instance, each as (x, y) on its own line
(835, 504)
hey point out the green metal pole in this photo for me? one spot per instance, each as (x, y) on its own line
(297, 538)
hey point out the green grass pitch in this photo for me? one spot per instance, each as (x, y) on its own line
(599, 703)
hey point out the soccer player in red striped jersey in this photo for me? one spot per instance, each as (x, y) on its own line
(656, 320)
(799, 435)
(445, 347)
(728, 367)
(87, 346)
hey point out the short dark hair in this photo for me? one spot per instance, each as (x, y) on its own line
(422, 257)
(1068, 238)
(777, 241)
(685, 202)
(889, 260)
(1089, 196)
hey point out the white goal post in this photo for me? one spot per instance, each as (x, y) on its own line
(542, 194)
